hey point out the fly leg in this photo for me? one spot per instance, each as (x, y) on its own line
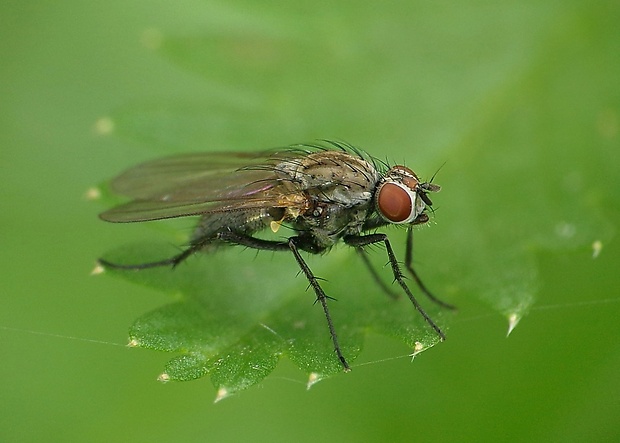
(364, 256)
(172, 261)
(409, 267)
(359, 241)
(292, 245)
(321, 297)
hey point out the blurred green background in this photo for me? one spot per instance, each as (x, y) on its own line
(521, 99)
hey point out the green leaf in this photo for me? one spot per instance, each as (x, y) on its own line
(238, 312)
(518, 179)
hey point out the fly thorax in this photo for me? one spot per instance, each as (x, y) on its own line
(332, 176)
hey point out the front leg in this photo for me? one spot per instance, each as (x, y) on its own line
(359, 241)
(373, 272)
(414, 274)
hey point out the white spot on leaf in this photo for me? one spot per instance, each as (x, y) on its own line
(163, 377)
(104, 126)
(513, 321)
(222, 393)
(313, 379)
(98, 269)
(596, 248)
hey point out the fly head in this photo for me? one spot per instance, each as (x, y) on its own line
(401, 198)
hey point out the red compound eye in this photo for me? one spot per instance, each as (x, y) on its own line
(395, 203)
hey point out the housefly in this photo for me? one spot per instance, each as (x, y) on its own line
(323, 193)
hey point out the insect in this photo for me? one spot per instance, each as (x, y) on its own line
(324, 193)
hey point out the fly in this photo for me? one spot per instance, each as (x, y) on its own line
(323, 193)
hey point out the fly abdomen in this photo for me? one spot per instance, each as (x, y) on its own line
(247, 222)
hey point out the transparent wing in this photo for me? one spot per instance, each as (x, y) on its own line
(177, 174)
(194, 184)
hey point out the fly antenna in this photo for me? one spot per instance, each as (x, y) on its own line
(437, 171)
